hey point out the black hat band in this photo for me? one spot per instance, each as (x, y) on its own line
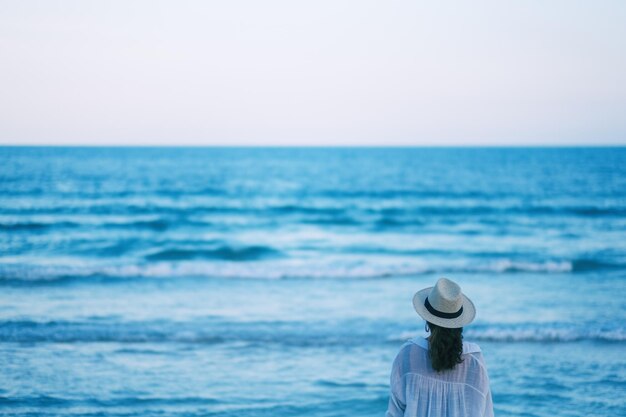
(441, 314)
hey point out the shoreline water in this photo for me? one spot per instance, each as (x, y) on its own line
(260, 282)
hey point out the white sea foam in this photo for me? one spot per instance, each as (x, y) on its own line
(330, 268)
(531, 333)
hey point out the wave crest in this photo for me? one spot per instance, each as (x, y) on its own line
(224, 252)
(533, 333)
(219, 331)
(264, 262)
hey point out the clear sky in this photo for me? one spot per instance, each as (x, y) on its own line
(338, 72)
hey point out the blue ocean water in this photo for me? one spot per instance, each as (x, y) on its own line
(278, 281)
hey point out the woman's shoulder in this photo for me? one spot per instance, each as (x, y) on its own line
(417, 341)
(470, 347)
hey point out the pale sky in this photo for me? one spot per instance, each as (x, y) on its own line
(338, 72)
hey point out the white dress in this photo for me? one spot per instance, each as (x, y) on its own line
(418, 390)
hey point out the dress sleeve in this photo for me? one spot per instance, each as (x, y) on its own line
(488, 405)
(488, 410)
(395, 407)
(396, 392)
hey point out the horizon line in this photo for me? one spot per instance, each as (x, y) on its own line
(601, 145)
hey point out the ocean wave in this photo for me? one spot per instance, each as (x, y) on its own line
(333, 384)
(506, 265)
(265, 262)
(583, 211)
(585, 265)
(35, 226)
(104, 222)
(251, 333)
(225, 252)
(192, 405)
(355, 210)
(387, 222)
(534, 333)
(333, 221)
(404, 193)
(546, 335)
(27, 331)
(246, 334)
(141, 401)
(156, 224)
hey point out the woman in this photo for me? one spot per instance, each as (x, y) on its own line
(441, 375)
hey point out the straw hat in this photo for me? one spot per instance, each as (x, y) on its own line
(444, 305)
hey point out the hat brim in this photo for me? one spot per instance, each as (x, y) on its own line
(469, 311)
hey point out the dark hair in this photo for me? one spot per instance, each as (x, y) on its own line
(445, 347)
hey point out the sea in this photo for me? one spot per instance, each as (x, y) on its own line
(257, 282)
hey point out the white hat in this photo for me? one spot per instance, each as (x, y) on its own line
(444, 305)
